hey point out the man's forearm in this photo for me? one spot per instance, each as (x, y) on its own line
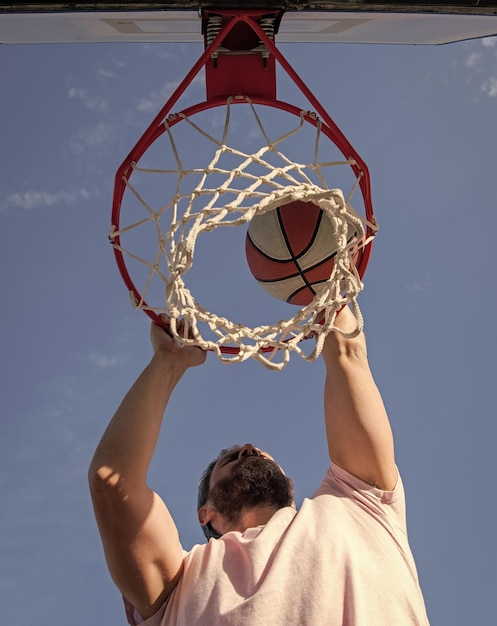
(357, 427)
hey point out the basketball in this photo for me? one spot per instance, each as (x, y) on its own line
(290, 251)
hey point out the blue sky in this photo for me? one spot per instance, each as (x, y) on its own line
(423, 119)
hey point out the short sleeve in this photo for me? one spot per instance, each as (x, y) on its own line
(135, 619)
(337, 481)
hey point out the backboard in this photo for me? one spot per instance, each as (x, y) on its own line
(342, 21)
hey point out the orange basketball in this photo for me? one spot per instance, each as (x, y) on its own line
(290, 251)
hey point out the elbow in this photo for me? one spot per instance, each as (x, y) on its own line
(96, 481)
(107, 491)
(112, 484)
(102, 479)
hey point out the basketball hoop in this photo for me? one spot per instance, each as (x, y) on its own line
(236, 184)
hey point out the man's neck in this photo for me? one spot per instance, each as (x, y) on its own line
(256, 516)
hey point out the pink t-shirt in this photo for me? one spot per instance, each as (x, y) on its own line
(342, 560)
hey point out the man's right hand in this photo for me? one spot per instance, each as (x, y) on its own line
(163, 344)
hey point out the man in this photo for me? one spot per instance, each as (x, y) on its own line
(342, 560)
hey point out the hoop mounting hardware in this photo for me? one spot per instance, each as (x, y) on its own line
(242, 63)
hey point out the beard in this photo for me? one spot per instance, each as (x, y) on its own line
(253, 482)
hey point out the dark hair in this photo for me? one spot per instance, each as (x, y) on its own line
(204, 489)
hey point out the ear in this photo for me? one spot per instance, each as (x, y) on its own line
(206, 514)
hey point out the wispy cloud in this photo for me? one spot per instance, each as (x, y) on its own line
(92, 102)
(33, 199)
(102, 360)
(105, 74)
(481, 65)
(473, 59)
(155, 100)
(489, 42)
(98, 136)
(490, 87)
(419, 285)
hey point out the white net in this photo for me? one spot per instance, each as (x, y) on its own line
(234, 186)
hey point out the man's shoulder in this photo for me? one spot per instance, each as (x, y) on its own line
(342, 490)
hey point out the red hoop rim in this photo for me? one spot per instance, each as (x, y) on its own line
(126, 170)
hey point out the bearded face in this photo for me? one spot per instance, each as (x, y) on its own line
(253, 481)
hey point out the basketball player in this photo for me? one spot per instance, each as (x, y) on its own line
(343, 559)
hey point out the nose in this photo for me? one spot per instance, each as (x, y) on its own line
(249, 450)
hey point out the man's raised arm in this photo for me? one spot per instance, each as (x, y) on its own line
(139, 537)
(358, 431)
